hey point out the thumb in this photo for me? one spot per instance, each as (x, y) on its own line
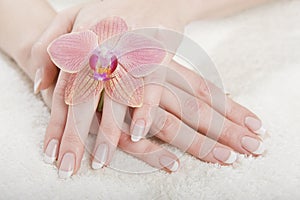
(46, 71)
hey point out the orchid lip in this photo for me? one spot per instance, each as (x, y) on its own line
(103, 62)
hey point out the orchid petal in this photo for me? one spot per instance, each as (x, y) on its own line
(125, 89)
(81, 87)
(136, 50)
(70, 52)
(109, 27)
(143, 70)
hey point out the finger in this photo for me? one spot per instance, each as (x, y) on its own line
(46, 72)
(200, 116)
(194, 84)
(150, 153)
(109, 133)
(72, 145)
(142, 117)
(57, 120)
(173, 131)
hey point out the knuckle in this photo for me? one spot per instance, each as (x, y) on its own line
(149, 149)
(71, 138)
(201, 88)
(168, 122)
(107, 128)
(230, 110)
(192, 103)
(203, 147)
(227, 132)
(110, 134)
(236, 111)
(146, 108)
(147, 112)
(196, 147)
(55, 125)
(169, 126)
(192, 107)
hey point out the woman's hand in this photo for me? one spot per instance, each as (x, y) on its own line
(137, 14)
(188, 120)
(191, 123)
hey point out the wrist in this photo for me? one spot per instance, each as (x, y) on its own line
(27, 21)
(23, 54)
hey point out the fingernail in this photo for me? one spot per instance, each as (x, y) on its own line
(138, 130)
(37, 81)
(67, 166)
(51, 151)
(225, 155)
(255, 125)
(169, 163)
(100, 156)
(253, 145)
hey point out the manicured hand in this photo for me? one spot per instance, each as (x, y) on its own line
(79, 19)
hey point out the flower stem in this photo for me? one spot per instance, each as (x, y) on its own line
(101, 101)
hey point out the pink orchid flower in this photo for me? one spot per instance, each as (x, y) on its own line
(108, 57)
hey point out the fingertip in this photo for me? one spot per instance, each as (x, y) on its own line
(100, 156)
(67, 166)
(169, 163)
(50, 151)
(137, 130)
(135, 138)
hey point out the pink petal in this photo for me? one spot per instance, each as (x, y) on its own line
(125, 89)
(81, 87)
(136, 50)
(143, 70)
(70, 52)
(109, 27)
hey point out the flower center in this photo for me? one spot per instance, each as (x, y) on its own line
(103, 62)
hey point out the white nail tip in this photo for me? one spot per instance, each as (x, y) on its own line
(96, 165)
(262, 131)
(135, 138)
(36, 86)
(48, 159)
(64, 174)
(174, 167)
(260, 149)
(37, 81)
(232, 158)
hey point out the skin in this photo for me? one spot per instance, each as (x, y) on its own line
(29, 51)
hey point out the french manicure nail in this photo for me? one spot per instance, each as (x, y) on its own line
(255, 125)
(169, 163)
(66, 168)
(37, 81)
(225, 155)
(138, 130)
(51, 151)
(253, 145)
(100, 156)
